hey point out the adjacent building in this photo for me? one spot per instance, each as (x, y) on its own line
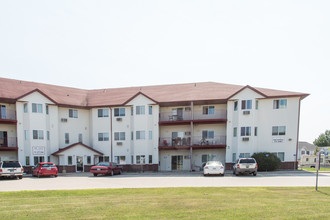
(166, 127)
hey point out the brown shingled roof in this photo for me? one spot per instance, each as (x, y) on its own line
(206, 91)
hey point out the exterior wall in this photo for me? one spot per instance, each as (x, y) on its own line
(264, 118)
(8, 155)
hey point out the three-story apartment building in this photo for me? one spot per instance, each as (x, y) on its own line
(167, 127)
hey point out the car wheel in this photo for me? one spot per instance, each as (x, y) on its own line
(236, 173)
(222, 174)
(95, 174)
(20, 177)
(255, 173)
(55, 176)
(111, 173)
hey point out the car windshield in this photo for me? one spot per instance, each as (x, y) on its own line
(48, 165)
(10, 164)
(247, 161)
(103, 164)
(213, 163)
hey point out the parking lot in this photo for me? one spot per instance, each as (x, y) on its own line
(165, 179)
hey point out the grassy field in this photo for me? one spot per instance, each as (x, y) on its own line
(313, 169)
(168, 203)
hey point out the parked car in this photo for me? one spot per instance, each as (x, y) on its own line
(45, 169)
(11, 169)
(214, 168)
(106, 168)
(246, 165)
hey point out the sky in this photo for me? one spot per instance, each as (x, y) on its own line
(98, 44)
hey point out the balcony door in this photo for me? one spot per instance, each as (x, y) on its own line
(177, 162)
(3, 139)
(3, 112)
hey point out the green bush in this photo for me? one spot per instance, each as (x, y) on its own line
(267, 161)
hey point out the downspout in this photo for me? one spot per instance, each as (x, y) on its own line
(111, 144)
(191, 132)
(297, 144)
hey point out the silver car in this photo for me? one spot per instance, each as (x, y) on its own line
(214, 168)
(246, 165)
(11, 169)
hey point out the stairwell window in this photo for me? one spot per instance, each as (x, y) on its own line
(38, 134)
(103, 113)
(67, 138)
(278, 130)
(140, 135)
(140, 110)
(25, 107)
(235, 105)
(103, 136)
(119, 136)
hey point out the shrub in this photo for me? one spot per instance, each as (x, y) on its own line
(267, 161)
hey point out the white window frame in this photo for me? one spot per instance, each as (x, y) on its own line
(278, 130)
(140, 135)
(36, 108)
(103, 113)
(119, 112)
(103, 136)
(246, 132)
(208, 110)
(38, 134)
(140, 110)
(73, 113)
(119, 136)
(280, 104)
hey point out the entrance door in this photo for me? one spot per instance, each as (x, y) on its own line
(80, 164)
(177, 162)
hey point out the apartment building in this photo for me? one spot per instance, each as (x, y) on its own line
(150, 128)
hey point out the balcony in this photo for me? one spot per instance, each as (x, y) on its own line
(167, 143)
(8, 144)
(7, 116)
(168, 118)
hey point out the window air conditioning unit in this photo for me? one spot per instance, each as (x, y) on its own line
(64, 120)
(120, 143)
(245, 139)
(187, 109)
(187, 133)
(246, 112)
(119, 119)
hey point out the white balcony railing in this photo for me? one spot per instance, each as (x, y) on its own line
(196, 140)
(7, 114)
(169, 116)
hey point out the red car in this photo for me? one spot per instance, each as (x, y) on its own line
(45, 169)
(106, 168)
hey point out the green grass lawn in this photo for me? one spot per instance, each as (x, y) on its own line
(168, 203)
(313, 169)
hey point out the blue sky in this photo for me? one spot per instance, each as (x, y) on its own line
(106, 44)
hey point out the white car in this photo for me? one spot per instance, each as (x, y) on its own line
(214, 168)
(11, 169)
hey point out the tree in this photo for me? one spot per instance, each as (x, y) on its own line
(267, 161)
(323, 140)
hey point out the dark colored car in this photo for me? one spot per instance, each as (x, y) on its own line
(246, 165)
(11, 169)
(45, 169)
(106, 168)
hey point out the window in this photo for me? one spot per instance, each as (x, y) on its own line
(280, 103)
(26, 135)
(89, 159)
(150, 159)
(48, 136)
(140, 110)
(103, 113)
(245, 131)
(246, 104)
(255, 131)
(235, 105)
(36, 108)
(208, 110)
(69, 160)
(119, 136)
(150, 135)
(38, 134)
(307, 159)
(66, 138)
(25, 107)
(257, 104)
(103, 136)
(100, 159)
(207, 134)
(244, 155)
(106, 158)
(37, 160)
(73, 113)
(132, 111)
(280, 155)
(303, 152)
(80, 138)
(278, 130)
(119, 112)
(27, 161)
(120, 159)
(150, 110)
(234, 158)
(132, 135)
(206, 157)
(47, 109)
(48, 158)
(140, 159)
(140, 135)
(235, 132)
